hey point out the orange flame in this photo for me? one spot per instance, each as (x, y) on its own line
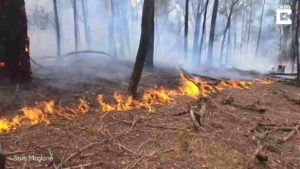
(193, 87)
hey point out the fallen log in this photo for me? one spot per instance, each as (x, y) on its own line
(88, 51)
(191, 75)
(282, 74)
(80, 52)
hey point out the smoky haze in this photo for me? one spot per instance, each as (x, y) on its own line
(169, 28)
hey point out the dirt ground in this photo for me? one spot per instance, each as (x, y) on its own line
(232, 130)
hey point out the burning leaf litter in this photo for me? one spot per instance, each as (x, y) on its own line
(195, 88)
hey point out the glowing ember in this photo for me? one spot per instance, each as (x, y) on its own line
(192, 87)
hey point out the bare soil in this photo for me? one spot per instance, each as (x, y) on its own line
(165, 139)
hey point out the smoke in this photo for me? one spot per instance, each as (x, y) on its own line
(168, 37)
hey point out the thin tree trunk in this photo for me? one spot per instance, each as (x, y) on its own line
(111, 28)
(203, 31)
(212, 33)
(147, 21)
(293, 27)
(249, 28)
(228, 51)
(197, 29)
(226, 28)
(186, 27)
(297, 43)
(57, 28)
(260, 26)
(76, 31)
(235, 35)
(85, 23)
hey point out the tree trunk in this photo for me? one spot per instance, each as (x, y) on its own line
(186, 27)
(76, 31)
(145, 40)
(197, 29)
(111, 28)
(150, 53)
(212, 33)
(297, 43)
(260, 26)
(226, 28)
(85, 23)
(57, 28)
(249, 27)
(293, 28)
(15, 40)
(203, 30)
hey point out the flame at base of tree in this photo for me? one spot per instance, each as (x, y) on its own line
(42, 112)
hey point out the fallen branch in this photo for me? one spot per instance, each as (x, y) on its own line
(165, 127)
(258, 149)
(290, 134)
(91, 145)
(86, 165)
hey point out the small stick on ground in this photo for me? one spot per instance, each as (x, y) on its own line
(291, 133)
(258, 149)
(165, 127)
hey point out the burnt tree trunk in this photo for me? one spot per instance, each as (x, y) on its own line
(76, 28)
(212, 33)
(150, 53)
(57, 28)
(186, 27)
(203, 31)
(14, 36)
(147, 24)
(85, 23)
(260, 26)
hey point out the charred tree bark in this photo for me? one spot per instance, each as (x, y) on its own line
(76, 28)
(212, 33)
(150, 53)
(14, 35)
(85, 23)
(147, 21)
(228, 24)
(57, 28)
(260, 26)
(186, 27)
(203, 31)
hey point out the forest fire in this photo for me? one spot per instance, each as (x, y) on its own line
(195, 88)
